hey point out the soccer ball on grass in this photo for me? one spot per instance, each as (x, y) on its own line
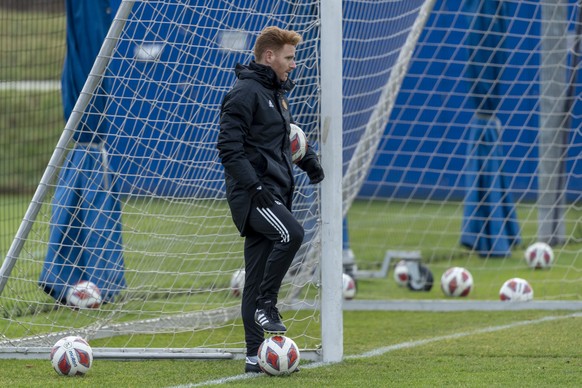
(414, 275)
(278, 356)
(348, 286)
(539, 255)
(456, 281)
(71, 356)
(516, 290)
(84, 295)
(401, 273)
(237, 282)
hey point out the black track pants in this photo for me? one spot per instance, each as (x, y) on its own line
(273, 239)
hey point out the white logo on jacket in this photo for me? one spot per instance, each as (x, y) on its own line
(271, 104)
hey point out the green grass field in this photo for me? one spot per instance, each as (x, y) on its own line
(534, 354)
(414, 349)
(33, 45)
(460, 348)
(32, 48)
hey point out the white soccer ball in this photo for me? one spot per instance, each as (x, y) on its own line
(516, 290)
(456, 281)
(84, 295)
(401, 275)
(278, 355)
(298, 142)
(71, 356)
(237, 282)
(348, 286)
(539, 255)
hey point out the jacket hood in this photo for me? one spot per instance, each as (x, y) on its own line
(263, 74)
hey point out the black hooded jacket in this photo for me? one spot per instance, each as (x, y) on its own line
(253, 142)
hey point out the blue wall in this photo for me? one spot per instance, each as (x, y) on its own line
(430, 122)
(165, 111)
(424, 149)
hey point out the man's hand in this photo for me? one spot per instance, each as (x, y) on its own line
(261, 197)
(314, 171)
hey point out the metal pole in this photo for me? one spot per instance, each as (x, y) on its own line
(331, 189)
(553, 118)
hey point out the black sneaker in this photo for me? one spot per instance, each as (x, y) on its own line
(269, 319)
(252, 367)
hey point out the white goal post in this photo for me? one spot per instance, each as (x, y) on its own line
(164, 68)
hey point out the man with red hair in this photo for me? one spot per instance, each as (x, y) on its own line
(254, 149)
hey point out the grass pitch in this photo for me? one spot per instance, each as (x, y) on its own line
(405, 349)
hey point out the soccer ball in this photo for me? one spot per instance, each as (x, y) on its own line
(401, 273)
(516, 289)
(298, 142)
(237, 282)
(278, 356)
(71, 356)
(539, 255)
(348, 286)
(456, 281)
(84, 295)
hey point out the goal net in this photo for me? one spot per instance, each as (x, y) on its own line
(479, 159)
(461, 147)
(133, 197)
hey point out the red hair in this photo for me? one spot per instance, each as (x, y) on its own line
(274, 38)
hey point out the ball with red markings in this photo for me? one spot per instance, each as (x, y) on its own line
(456, 281)
(516, 290)
(84, 295)
(298, 142)
(71, 356)
(539, 255)
(278, 356)
(401, 275)
(348, 286)
(237, 282)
